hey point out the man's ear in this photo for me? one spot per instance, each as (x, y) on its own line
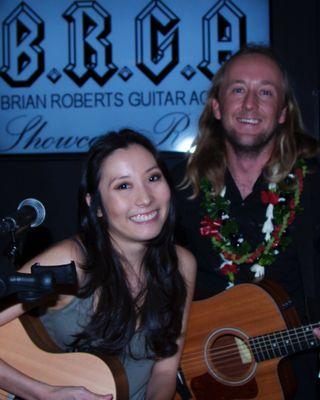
(216, 108)
(283, 116)
(88, 201)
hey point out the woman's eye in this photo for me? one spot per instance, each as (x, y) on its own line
(122, 186)
(154, 177)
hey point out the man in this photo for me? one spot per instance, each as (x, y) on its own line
(250, 205)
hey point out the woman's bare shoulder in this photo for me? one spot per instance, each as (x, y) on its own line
(187, 262)
(58, 254)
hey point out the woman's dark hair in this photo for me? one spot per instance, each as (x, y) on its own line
(157, 310)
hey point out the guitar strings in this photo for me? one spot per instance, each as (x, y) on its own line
(229, 349)
(223, 355)
(308, 335)
(228, 353)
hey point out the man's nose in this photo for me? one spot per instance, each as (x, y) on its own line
(250, 101)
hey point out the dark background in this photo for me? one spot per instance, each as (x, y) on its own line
(54, 179)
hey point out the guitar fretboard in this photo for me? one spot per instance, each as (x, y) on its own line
(284, 343)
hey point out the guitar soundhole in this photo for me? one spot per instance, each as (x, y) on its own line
(229, 357)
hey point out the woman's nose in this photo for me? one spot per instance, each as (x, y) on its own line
(144, 197)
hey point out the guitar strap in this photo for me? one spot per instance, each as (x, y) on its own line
(182, 388)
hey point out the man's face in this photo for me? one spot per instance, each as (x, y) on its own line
(251, 102)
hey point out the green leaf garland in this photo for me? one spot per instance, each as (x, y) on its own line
(224, 232)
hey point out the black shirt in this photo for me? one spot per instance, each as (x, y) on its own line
(296, 269)
(250, 215)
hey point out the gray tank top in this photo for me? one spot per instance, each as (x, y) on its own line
(64, 323)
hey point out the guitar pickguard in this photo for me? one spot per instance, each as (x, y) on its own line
(204, 387)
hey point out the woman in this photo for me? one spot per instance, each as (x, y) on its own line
(135, 285)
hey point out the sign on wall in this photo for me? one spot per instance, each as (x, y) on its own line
(73, 70)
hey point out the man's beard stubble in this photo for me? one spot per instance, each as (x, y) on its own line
(249, 150)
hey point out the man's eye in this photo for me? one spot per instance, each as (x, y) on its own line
(237, 90)
(266, 92)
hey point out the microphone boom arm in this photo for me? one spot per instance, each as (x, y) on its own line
(40, 282)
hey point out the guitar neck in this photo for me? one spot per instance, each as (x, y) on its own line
(284, 343)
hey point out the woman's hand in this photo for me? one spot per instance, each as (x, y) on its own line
(74, 393)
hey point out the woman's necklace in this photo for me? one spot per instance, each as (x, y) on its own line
(282, 206)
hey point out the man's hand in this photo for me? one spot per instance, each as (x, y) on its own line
(316, 332)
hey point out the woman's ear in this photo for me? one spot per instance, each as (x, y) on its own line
(88, 201)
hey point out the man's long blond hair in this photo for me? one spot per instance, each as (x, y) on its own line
(291, 142)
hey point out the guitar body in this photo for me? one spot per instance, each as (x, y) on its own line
(36, 355)
(217, 362)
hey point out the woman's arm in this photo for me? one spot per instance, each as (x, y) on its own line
(162, 383)
(59, 254)
(14, 381)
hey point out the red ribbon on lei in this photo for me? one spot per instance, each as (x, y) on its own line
(269, 197)
(210, 228)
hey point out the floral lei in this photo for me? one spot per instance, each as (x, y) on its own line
(282, 206)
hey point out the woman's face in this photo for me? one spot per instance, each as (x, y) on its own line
(134, 195)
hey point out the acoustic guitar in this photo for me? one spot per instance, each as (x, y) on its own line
(25, 345)
(236, 340)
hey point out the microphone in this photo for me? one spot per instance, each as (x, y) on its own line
(30, 213)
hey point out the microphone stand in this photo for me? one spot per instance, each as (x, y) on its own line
(12, 251)
(40, 282)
